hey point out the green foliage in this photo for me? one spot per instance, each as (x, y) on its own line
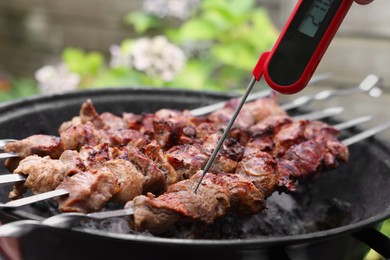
(233, 34)
(142, 21)
(87, 65)
(237, 32)
(81, 62)
(19, 88)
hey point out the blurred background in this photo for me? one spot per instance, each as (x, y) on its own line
(48, 46)
(51, 46)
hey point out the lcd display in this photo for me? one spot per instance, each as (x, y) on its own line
(314, 17)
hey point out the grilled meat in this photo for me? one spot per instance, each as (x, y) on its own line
(168, 127)
(260, 168)
(161, 155)
(42, 145)
(88, 191)
(214, 198)
(250, 113)
(43, 174)
(256, 178)
(130, 180)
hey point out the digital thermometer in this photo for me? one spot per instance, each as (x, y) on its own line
(295, 55)
(301, 45)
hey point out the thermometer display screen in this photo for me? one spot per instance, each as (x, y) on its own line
(314, 17)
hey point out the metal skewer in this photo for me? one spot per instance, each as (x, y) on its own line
(263, 93)
(8, 155)
(369, 85)
(4, 142)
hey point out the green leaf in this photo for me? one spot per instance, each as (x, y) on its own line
(264, 33)
(195, 30)
(234, 10)
(195, 75)
(236, 54)
(85, 64)
(118, 77)
(20, 87)
(142, 21)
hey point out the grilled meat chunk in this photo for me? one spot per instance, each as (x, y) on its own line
(154, 151)
(154, 176)
(264, 107)
(88, 113)
(305, 160)
(222, 116)
(260, 168)
(245, 198)
(187, 159)
(217, 195)
(130, 180)
(42, 145)
(262, 133)
(88, 191)
(73, 138)
(73, 161)
(94, 157)
(43, 174)
(112, 121)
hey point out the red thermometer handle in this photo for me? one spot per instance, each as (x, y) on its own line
(289, 66)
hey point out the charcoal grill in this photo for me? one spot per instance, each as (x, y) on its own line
(362, 183)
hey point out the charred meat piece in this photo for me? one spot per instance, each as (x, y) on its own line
(172, 127)
(74, 162)
(304, 130)
(157, 155)
(261, 169)
(94, 157)
(68, 124)
(154, 176)
(187, 159)
(130, 180)
(132, 121)
(245, 198)
(222, 116)
(305, 160)
(88, 191)
(263, 133)
(41, 145)
(112, 121)
(116, 138)
(289, 135)
(88, 113)
(167, 133)
(73, 138)
(43, 174)
(264, 107)
(217, 195)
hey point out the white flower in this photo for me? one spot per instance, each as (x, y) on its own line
(56, 79)
(181, 9)
(119, 58)
(157, 57)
